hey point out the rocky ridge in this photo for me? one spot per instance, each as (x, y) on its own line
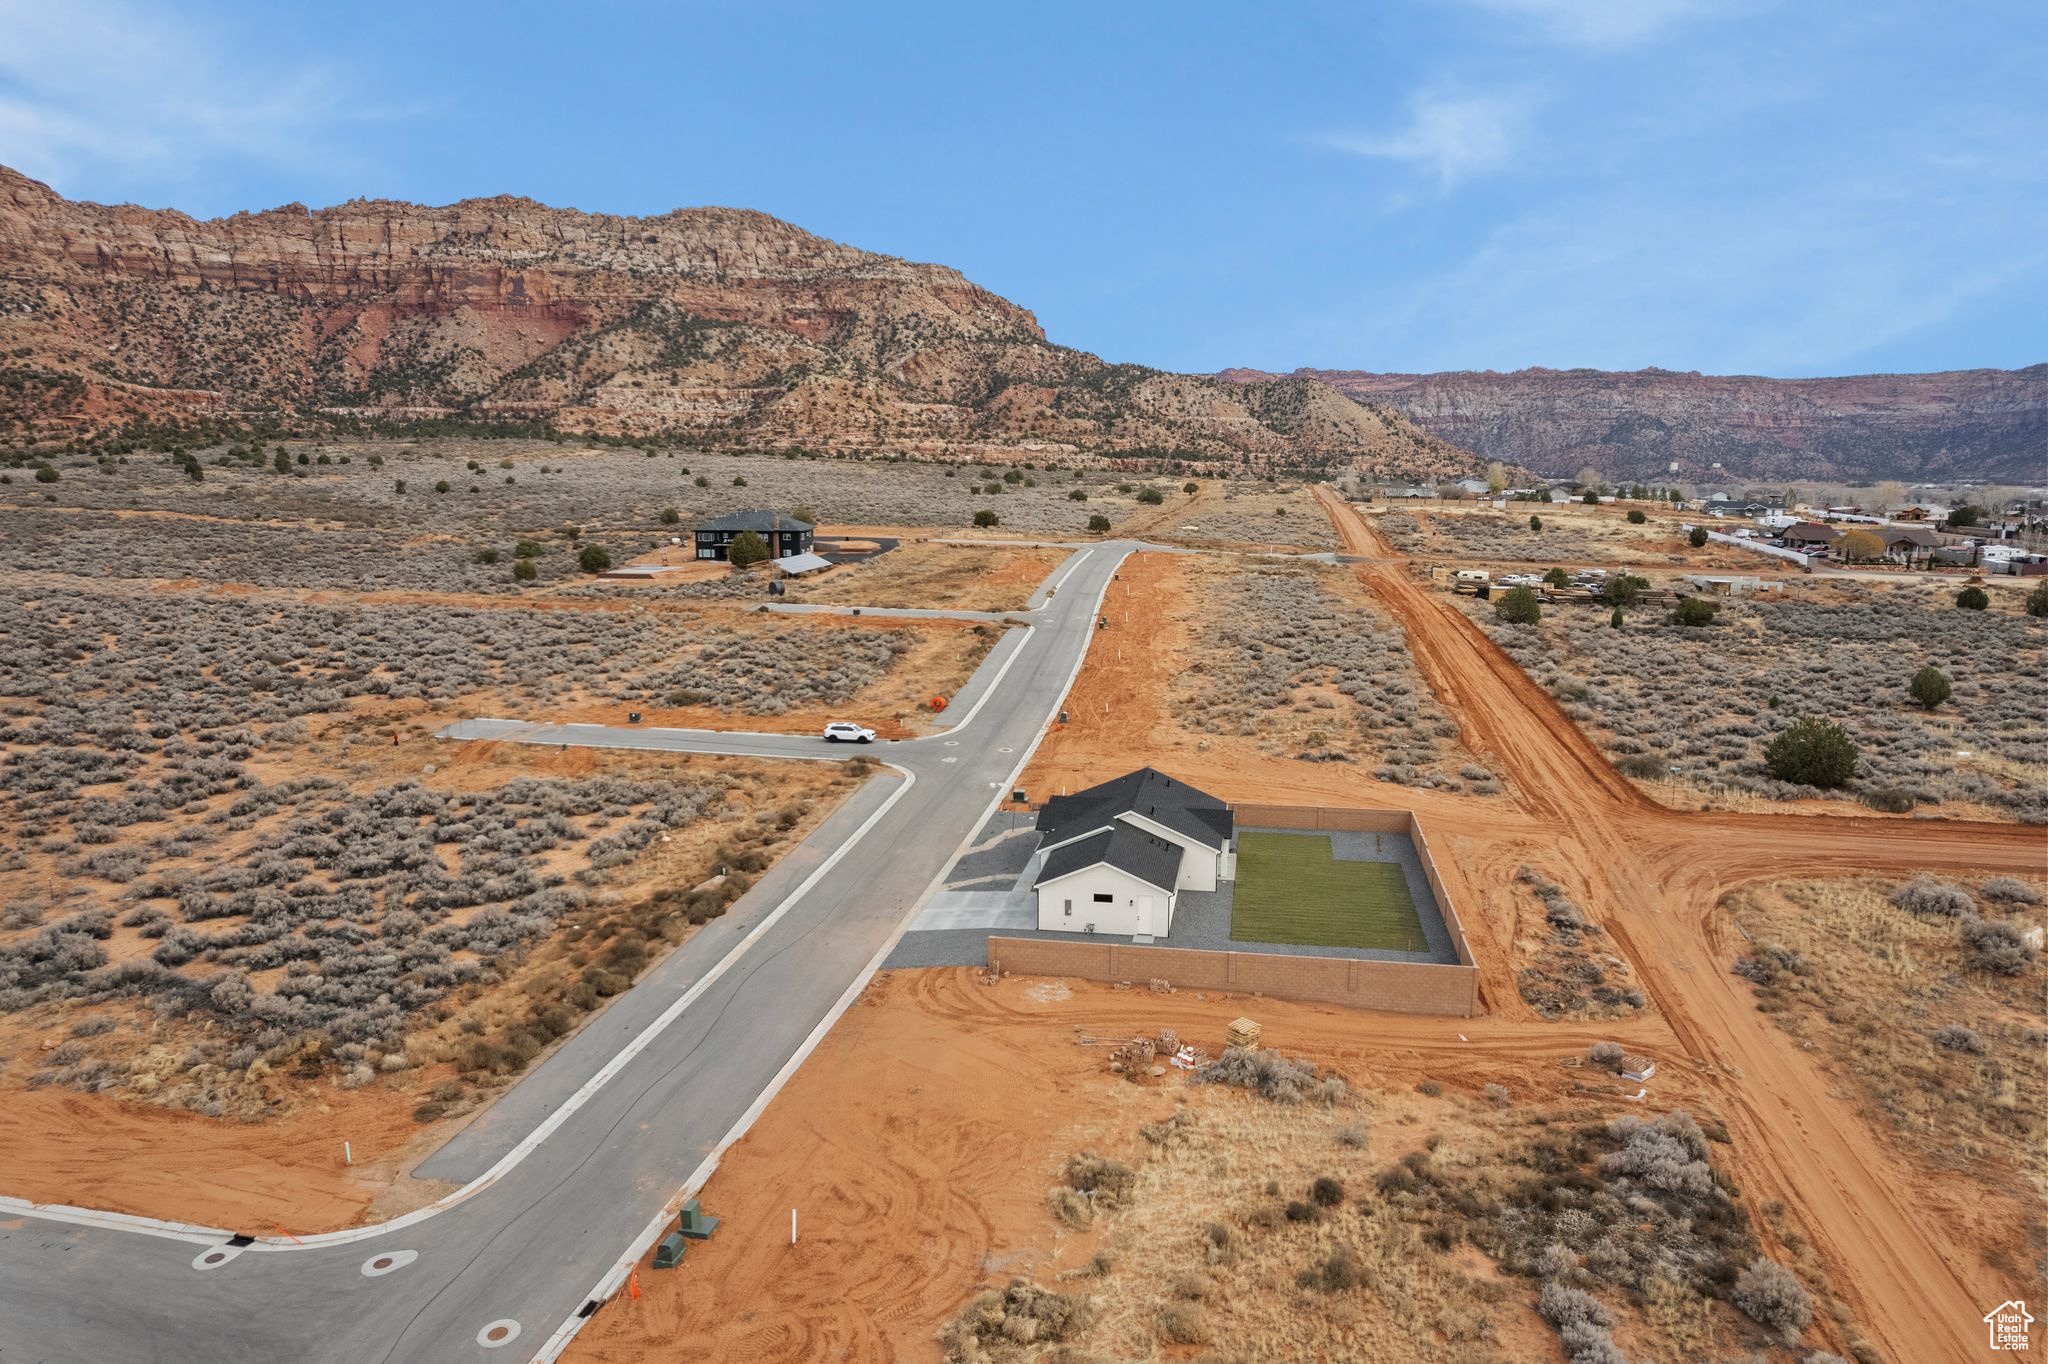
(1982, 424)
(719, 324)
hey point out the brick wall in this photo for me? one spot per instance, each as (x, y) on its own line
(1389, 986)
(1328, 818)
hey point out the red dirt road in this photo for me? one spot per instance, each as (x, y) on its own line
(1904, 1246)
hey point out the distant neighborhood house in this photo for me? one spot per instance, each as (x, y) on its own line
(1810, 533)
(784, 534)
(1115, 857)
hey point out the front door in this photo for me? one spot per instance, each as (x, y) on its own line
(1141, 916)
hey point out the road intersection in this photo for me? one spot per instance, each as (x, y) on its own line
(569, 1177)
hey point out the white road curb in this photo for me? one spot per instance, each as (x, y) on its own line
(609, 1283)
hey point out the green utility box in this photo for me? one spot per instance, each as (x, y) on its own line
(669, 1253)
(694, 1224)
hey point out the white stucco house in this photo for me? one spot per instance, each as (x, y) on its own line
(1114, 858)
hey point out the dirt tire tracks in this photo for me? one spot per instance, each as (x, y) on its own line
(1909, 1275)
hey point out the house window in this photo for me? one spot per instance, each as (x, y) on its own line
(1105, 899)
(1070, 909)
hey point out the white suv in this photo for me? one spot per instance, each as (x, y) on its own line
(840, 732)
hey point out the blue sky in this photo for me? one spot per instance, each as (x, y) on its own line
(1786, 187)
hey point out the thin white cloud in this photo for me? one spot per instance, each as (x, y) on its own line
(1801, 281)
(1455, 136)
(1599, 23)
(100, 84)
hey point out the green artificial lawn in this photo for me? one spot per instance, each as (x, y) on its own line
(1291, 890)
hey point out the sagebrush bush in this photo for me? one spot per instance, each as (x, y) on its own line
(1769, 1294)
(2009, 890)
(1925, 895)
(1999, 946)
(1272, 1076)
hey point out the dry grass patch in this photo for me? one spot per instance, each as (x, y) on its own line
(953, 577)
(1915, 1007)
(1269, 1228)
(1297, 657)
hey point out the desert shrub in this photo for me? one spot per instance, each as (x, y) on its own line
(1098, 522)
(1354, 1135)
(1300, 1210)
(1182, 1323)
(2037, 602)
(2009, 890)
(1562, 1305)
(1498, 1096)
(1973, 599)
(1768, 1294)
(1812, 752)
(1925, 895)
(1930, 687)
(1339, 1272)
(1020, 1314)
(1694, 612)
(1151, 497)
(985, 517)
(1624, 590)
(1606, 1054)
(1326, 1192)
(1645, 766)
(1768, 962)
(1668, 1154)
(747, 549)
(594, 559)
(1107, 1183)
(1697, 537)
(1999, 946)
(1070, 1206)
(1271, 1076)
(1890, 800)
(1518, 606)
(523, 570)
(1636, 518)
(1956, 1037)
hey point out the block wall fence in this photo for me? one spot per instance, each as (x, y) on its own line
(1390, 986)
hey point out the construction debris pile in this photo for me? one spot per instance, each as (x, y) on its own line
(1140, 1057)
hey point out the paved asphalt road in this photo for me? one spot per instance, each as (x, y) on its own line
(573, 1166)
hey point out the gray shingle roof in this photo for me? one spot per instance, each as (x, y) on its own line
(1192, 813)
(761, 519)
(1146, 856)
